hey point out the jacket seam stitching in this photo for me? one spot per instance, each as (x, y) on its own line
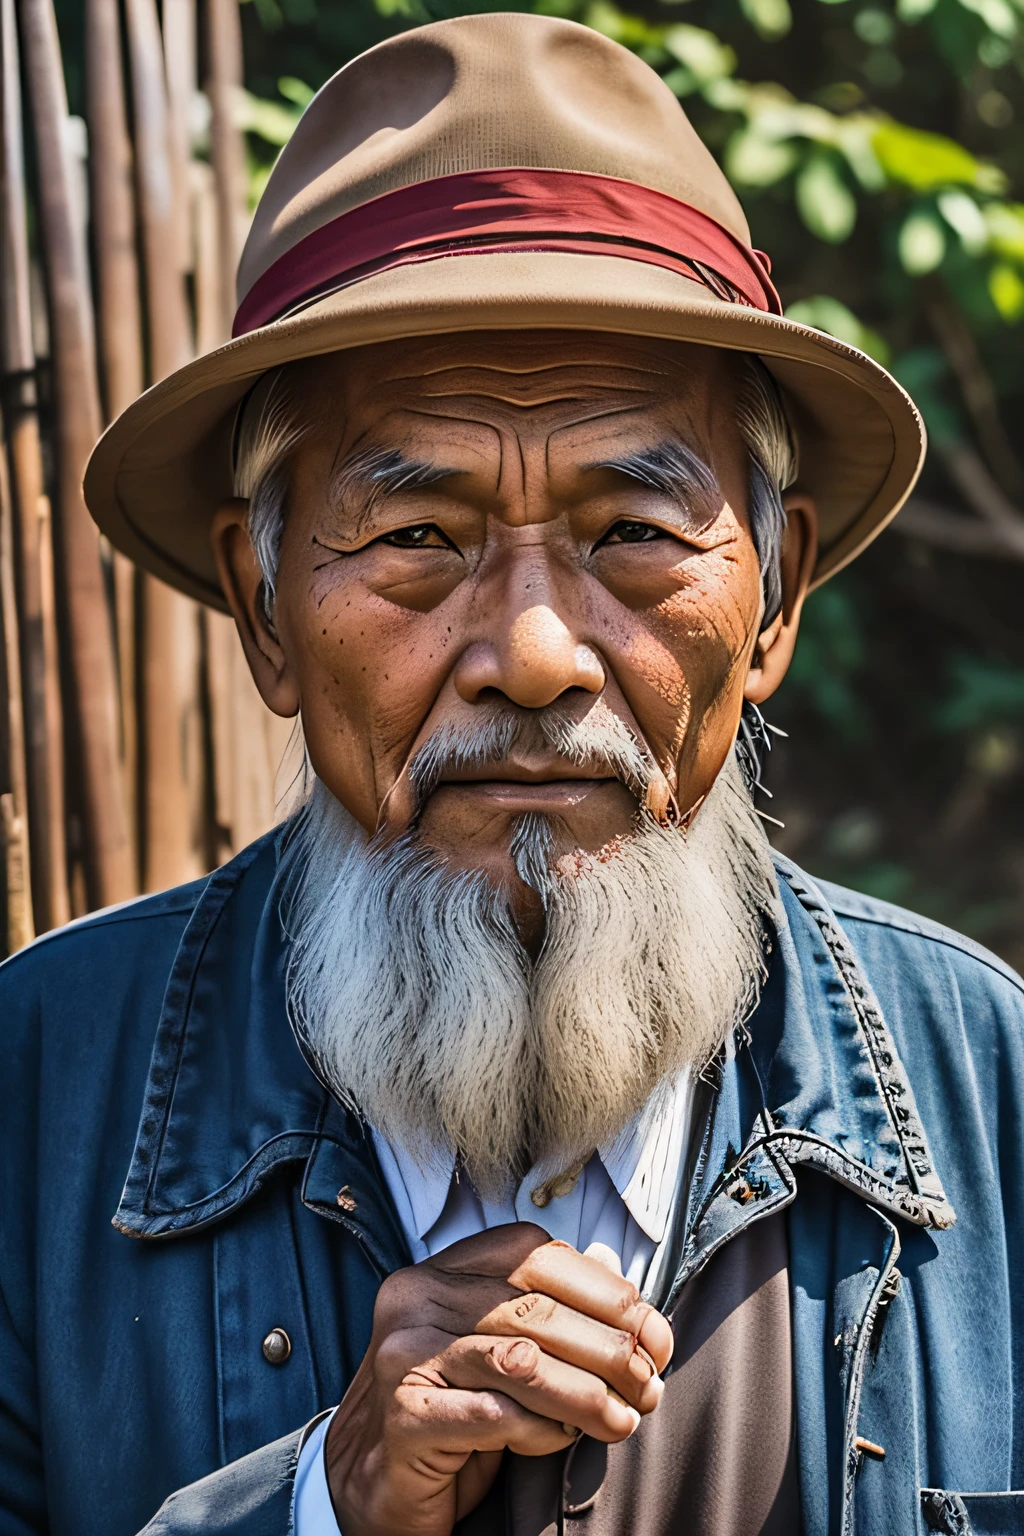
(947, 940)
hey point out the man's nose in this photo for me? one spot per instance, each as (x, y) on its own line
(533, 662)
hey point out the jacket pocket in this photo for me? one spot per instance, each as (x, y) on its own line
(973, 1514)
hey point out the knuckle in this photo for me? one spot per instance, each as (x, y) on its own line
(630, 1308)
(391, 1356)
(623, 1342)
(489, 1408)
(395, 1299)
(516, 1358)
(533, 1307)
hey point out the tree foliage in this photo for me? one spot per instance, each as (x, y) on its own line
(878, 149)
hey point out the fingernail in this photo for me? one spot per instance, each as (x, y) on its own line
(628, 1407)
(572, 1431)
(641, 1366)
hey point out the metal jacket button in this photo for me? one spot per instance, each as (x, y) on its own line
(277, 1346)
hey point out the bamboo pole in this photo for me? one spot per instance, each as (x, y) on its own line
(13, 792)
(174, 809)
(30, 531)
(249, 741)
(167, 315)
(227, 151)
(91, 665)
(178, 19)
(113, 209)
(210, 332)
(120, 326)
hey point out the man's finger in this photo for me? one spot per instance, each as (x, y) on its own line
(613, 1354)
(425, 1296)
(587, 1286)
(604, 1255)
(408, 1350)
(519, 1368)
(494, 1253)
(455, 1423)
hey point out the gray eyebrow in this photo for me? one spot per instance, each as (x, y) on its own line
(675, 470)
(369, 476)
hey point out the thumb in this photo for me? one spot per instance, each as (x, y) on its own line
(606, 1256)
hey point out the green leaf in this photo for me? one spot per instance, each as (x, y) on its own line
(924, 374)
(923, 160)
(827, 314)
(853, 135)
(682, 81)
(770, 19)
(963, 214)
(911, 11)
(981, 692)
(270, 14)
(829, 653)
(1005, 223)
(874, 26)
(630, 31)
(296, 90)
(701, 52)
(922, 243)
(996, 14)
(1007, 291)
(826, 204)
(269, 120)
(414, 10)
(753, 160)
(994, 52)
(258, 176)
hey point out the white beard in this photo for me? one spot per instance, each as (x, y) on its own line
(416, 1002)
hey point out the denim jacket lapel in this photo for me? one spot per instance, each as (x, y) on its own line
(230, 1095)
(817, 1081)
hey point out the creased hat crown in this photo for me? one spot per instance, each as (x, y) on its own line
(496, 172)
(481, 93)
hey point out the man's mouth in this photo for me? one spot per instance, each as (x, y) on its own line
(517, 796)
(518, 788)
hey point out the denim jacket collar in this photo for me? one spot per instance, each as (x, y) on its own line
(230, 1096)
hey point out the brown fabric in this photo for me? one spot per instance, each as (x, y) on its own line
(717, 1457)
(476, 93)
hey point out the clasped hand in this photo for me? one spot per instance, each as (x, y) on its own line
(503, 1340)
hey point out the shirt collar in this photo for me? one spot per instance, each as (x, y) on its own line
(229, 1094)
(643, 1164)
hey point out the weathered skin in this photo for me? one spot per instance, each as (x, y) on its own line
(531, 574)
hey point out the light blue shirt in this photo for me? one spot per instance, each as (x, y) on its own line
(622, 1201)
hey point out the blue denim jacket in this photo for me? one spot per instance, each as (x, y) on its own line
(176, 1183)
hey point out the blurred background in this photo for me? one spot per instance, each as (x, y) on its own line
(878, 148)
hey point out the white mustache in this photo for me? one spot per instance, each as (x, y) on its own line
(599, 741)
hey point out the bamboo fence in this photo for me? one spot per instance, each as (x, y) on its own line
(135, 752)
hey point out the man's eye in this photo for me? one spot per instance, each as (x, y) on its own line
(632, 533)
(421, 536)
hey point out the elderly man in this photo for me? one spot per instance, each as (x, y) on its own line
(510, 1143)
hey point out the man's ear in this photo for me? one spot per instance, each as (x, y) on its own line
(775, 644)
(242, 581)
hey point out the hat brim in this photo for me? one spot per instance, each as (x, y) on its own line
(161, 469)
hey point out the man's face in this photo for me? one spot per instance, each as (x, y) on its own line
(465, 529)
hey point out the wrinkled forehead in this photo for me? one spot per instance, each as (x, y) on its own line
(544, 380)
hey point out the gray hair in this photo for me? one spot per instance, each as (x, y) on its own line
(268, 434)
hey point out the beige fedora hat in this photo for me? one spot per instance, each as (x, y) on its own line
(496, 172)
